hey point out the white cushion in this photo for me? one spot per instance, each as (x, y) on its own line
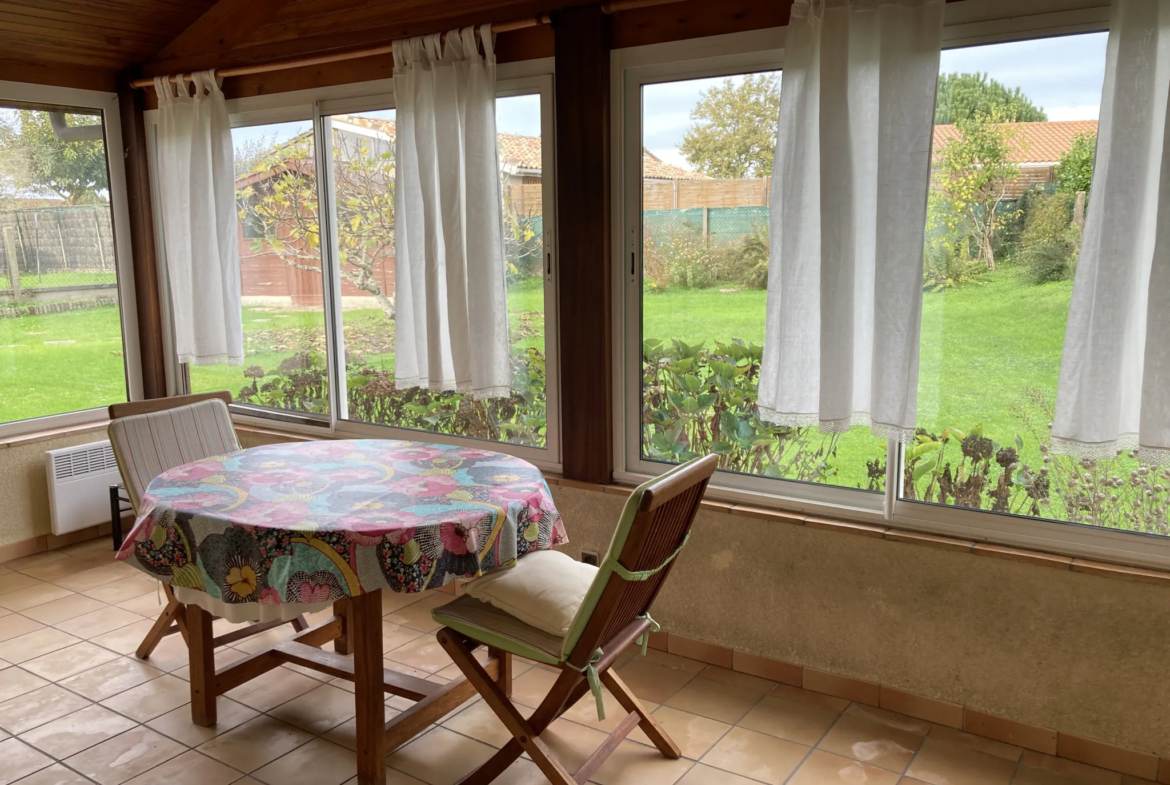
(544, 590)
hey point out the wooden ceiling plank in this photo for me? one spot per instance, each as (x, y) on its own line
(421, 19)
(53, 13)
(307, 9)
(220, 28)
(70, 31)
(423, 13)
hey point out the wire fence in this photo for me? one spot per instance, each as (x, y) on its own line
(56, 248)
(718, 226)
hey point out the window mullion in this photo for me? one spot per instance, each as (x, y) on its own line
(331, 268)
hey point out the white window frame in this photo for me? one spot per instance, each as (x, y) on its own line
(107, 104)
(968, 23)
(316, 105)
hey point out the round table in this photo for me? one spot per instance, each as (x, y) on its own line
(270, 533)
(275, 531)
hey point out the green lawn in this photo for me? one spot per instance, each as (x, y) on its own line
(60, 362)
(983, 347)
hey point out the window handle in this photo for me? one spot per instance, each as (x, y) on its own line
(632, 262)
(548, 268)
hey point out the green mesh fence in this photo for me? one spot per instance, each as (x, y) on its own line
(724, 225)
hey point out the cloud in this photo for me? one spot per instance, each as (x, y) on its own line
(1062, 75)
(672, 156)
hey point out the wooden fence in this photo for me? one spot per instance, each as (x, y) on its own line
(525, 200)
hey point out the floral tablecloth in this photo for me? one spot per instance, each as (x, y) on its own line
(312, 522)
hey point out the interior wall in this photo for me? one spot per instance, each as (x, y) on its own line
(24, 486)
(1077, 653)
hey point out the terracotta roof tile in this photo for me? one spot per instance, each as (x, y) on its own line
(522, 152)
(1033, 143)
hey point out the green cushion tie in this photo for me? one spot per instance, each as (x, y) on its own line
(643, 640)
(642, 575)
(594, 679)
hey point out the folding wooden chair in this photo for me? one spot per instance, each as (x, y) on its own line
(150, 437)
(654, 527)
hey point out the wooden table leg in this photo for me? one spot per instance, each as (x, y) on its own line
(201, 650)
(364, 636)
(341, 642)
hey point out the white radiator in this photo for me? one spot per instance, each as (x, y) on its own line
(79, 485)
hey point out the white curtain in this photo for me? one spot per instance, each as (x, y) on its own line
(452, 310)
(848, 211)
(1114, 391)
(196, 188)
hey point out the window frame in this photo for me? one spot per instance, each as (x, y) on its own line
(316, 105)
(966, 24)
(106, 104)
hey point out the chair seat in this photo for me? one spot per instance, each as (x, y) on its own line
(494, 627)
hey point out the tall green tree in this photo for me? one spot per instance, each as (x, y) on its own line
(76, 171)
(734, 131)
(1075, 170)
(960, 96)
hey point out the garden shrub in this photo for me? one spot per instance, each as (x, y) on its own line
(698, 400)
(301, 384)
(745, 262)
(946, 262)
(1050, 242)
(971, 469)
(679, 257)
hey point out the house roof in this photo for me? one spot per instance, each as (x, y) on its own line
(1032, 143)
(524, 152)
(654, 168)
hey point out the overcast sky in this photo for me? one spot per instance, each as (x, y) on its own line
(1061, 75)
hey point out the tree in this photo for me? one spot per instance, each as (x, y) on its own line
(734, 130)
(34, 156)
(13, 164)
(1075, 171)
(960, 96)
(252, 150)
(282, 207)
(972, 175)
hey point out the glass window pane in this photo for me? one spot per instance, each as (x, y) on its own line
(706, 168)
(1014, 141)
(60, 323)
(363, 193)
(280, 264)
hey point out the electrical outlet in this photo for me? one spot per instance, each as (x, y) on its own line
(589, 558)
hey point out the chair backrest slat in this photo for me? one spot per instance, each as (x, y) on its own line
(131, 408)
(148, 444)
(655, 524)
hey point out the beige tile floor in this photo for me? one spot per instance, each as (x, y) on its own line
(76, 706)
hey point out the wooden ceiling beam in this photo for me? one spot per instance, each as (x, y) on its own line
(221, 28)
(86, 78)
(391, 22)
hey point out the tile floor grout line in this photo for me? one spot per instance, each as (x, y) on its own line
(705, 672)
(817, 745)
(910, 763)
